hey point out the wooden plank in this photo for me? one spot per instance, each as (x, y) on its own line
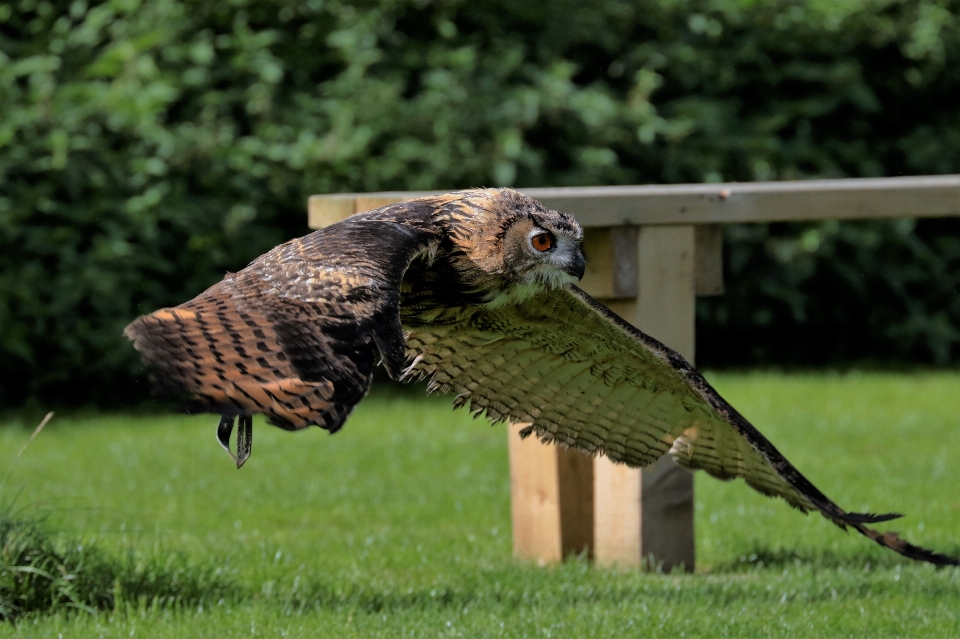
(598, 275)
(666, 301)
(666, 537)
(611, 262)
(709, 259)
(623, 242)
(551, 499)
(575, 488)
(731, 202)
(325, 210)
(534, 498)
(617, 523)
(925, 196)
(647, 516)
(373, 201)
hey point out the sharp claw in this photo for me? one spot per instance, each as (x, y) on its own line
(223, 434)
(244, 439)
(408, 371)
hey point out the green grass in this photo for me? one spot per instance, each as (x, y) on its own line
(400, 524)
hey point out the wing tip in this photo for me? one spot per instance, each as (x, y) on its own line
(893, 541)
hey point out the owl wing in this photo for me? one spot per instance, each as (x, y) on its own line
(296, 334)
(582, 377)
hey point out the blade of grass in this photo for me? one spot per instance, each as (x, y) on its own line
(36, 432)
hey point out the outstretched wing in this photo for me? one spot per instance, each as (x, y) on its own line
(296, 334)
(584, 378)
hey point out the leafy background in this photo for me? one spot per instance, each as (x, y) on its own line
(148, 147)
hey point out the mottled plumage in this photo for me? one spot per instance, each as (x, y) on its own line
(473, 291)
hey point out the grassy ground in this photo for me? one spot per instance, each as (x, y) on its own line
(399, 525)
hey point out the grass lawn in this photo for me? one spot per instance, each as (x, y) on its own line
(400, 524)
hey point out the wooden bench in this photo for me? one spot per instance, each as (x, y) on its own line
(651, 250)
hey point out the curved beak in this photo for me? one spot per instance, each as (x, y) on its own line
(577, 267)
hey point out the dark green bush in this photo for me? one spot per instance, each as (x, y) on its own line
(147, 147)
(874, 292)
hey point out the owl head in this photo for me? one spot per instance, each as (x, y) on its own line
(512, 237)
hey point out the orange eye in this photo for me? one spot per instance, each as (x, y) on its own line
(542, 242)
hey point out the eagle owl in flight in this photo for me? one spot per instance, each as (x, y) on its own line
(474, 291)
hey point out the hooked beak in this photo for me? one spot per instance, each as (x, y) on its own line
(578, 266)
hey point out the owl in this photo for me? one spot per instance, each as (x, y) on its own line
(475, 291)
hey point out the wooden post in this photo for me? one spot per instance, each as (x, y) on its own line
(646, 518)
(709, 259)
(551, 499)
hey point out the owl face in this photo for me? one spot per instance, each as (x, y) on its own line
(544, 248)
(509, 246)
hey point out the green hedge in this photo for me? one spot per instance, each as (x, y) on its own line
(147, 147)
(874, 293)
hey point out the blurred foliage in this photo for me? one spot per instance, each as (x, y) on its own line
(866, 292)
(147, 147)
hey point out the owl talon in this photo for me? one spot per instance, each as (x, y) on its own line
(223, 434)
(244, 437)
